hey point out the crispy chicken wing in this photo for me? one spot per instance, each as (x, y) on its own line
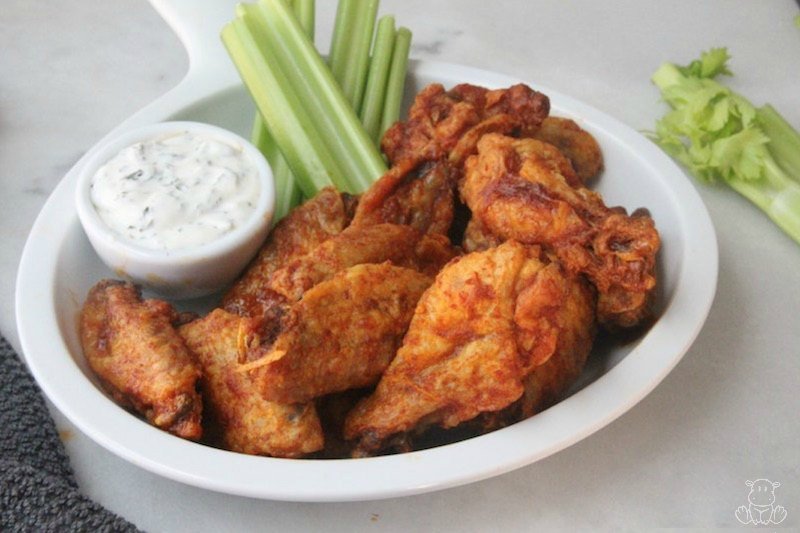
(575, 143)
(419, 195)
(515, 190)
(341, 335)
(247, 422)
(304, 228)
(447, 124)
(427, 151)
(141, 360)
(400, 244)
(477, 338)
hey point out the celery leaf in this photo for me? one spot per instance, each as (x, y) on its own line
(719, 135)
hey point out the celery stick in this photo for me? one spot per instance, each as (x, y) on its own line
(777, 196)
(287, 191)
(354, 74)
(375, 92)
(784, 140)
(717, 134)
(395, 86)
(305, 152)
(305, 12)
(342, 31)
(313, 84)
(259, 135)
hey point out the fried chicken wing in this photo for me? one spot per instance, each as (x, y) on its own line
(248, 423)
(303, 229)
(419, 195)
(478, 336)
(575, 143)
(448, 124)
(427, 151)
(132, 346)
(401, 245)
(515, 190)
(341, 335)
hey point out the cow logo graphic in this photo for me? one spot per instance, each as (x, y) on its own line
(761, 509)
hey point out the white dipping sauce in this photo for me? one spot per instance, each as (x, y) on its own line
(176, 191)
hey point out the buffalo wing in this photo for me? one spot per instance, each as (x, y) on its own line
(247, 422)
(133, 347)
(477, 337)
(342, 334)
(516, 190)
(302, 230)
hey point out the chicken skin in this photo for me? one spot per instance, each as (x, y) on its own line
(133, 347)
(427, 151)
(401, 245)
(342, 334)
(448, 124)
(478, 335)
(515, 190)
(418, 195)
(575, 143)
(247, 422)
(304, 228)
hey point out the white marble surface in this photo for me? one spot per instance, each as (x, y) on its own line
(70, 71)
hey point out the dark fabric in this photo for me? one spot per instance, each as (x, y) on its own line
(38, 491)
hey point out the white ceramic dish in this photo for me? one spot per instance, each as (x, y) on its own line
(58, 267)
(188, 272)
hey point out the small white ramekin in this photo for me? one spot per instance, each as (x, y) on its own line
(184, 273)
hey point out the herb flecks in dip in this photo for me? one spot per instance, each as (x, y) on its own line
(176, 191)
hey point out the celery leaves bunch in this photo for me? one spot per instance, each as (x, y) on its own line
(720, 136)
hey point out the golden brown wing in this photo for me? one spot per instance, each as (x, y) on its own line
(568, 303)
(516, 190)
(477, 237)
(141, 360)
(400, 244)
(248, 423)
(341, 335)
(427, 151)
(421, 196)
(577, 144)
(302, 230)
(487, 323)
(447, 124)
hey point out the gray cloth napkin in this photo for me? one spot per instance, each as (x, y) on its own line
(38, 491)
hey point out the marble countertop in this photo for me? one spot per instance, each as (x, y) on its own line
(728, 413)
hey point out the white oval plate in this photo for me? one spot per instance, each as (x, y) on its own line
(59, 266)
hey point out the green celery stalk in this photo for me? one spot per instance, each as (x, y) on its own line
(776, 195)
(354, 74)
(293, 129)
(380, 63)
(343, 28)
(287, 192)
(395, 86)
(313, 84)
(305, 11)
(717, 135)
(784, 140)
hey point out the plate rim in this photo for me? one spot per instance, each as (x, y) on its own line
(374, 478)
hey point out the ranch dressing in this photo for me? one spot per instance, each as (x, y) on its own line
(176, 191)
